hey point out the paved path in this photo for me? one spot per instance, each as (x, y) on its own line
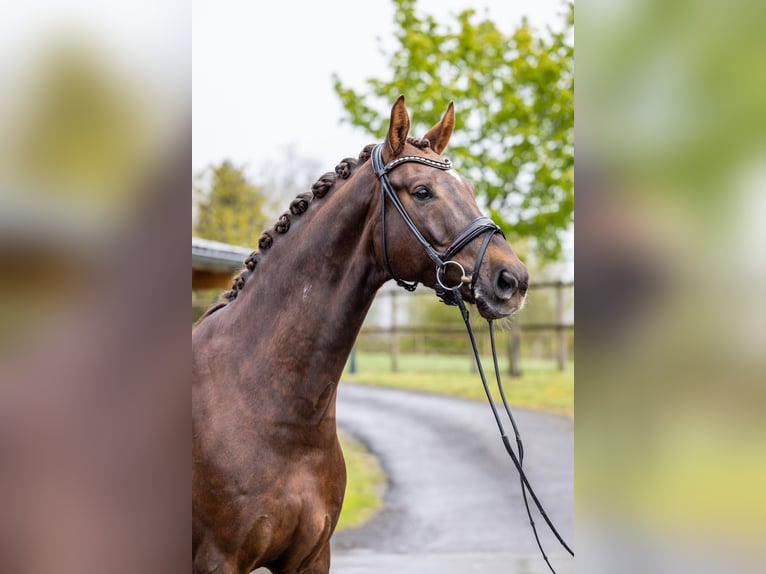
(453, 503)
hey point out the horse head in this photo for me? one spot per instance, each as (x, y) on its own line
(457, 247)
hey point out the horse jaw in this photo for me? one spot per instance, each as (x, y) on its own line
(492, 309)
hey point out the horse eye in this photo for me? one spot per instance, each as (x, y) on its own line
(422, 193)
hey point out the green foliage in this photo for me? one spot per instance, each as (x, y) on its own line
(514, 96)
(230, 208)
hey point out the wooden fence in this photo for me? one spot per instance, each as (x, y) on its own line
(395, 334)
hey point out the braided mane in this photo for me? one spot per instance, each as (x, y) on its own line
(298, 206)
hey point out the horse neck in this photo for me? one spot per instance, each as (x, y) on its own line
(311, 291)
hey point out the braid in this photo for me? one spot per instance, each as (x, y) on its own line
(420, 143)
(366, 152)
(323, 185)
(346, 167)
(283, 223)
(300, 204)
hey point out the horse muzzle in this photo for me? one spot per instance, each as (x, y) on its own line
(502, 291)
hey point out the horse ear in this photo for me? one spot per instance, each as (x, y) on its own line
(439, 134)
(398, 128)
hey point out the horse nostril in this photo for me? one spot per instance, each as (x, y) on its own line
(506, 284)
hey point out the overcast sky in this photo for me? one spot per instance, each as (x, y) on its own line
(262, 71)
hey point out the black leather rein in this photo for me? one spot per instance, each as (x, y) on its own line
(450, 294)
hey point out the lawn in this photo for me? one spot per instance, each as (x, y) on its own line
(366, 483)
(542, 386)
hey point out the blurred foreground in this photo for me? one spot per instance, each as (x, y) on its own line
(94, 178)
(671, 254)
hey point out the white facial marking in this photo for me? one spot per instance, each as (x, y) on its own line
(307, 290)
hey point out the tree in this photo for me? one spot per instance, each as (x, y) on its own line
(515, 100)
(229, 207)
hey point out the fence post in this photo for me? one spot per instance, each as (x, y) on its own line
(352, 361)
(420, 344)
(561, 339)
(394, 335)
(514, 350)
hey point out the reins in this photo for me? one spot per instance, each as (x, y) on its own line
(517, 460)
(450, 294)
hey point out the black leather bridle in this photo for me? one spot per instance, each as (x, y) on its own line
(451, 295)
(442, 260)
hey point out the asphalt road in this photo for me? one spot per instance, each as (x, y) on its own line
(453, 503)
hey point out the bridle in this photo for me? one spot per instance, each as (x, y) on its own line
(442, 260)
(450, 294)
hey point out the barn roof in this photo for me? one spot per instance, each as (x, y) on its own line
(210, 255)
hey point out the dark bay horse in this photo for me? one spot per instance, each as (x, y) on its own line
(268, 474)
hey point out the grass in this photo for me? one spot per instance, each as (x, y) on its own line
(365, 486)
(542, 387)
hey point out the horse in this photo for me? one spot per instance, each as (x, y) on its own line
(268, 473)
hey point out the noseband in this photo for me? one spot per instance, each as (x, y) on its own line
(479, 226)
(450, 294)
